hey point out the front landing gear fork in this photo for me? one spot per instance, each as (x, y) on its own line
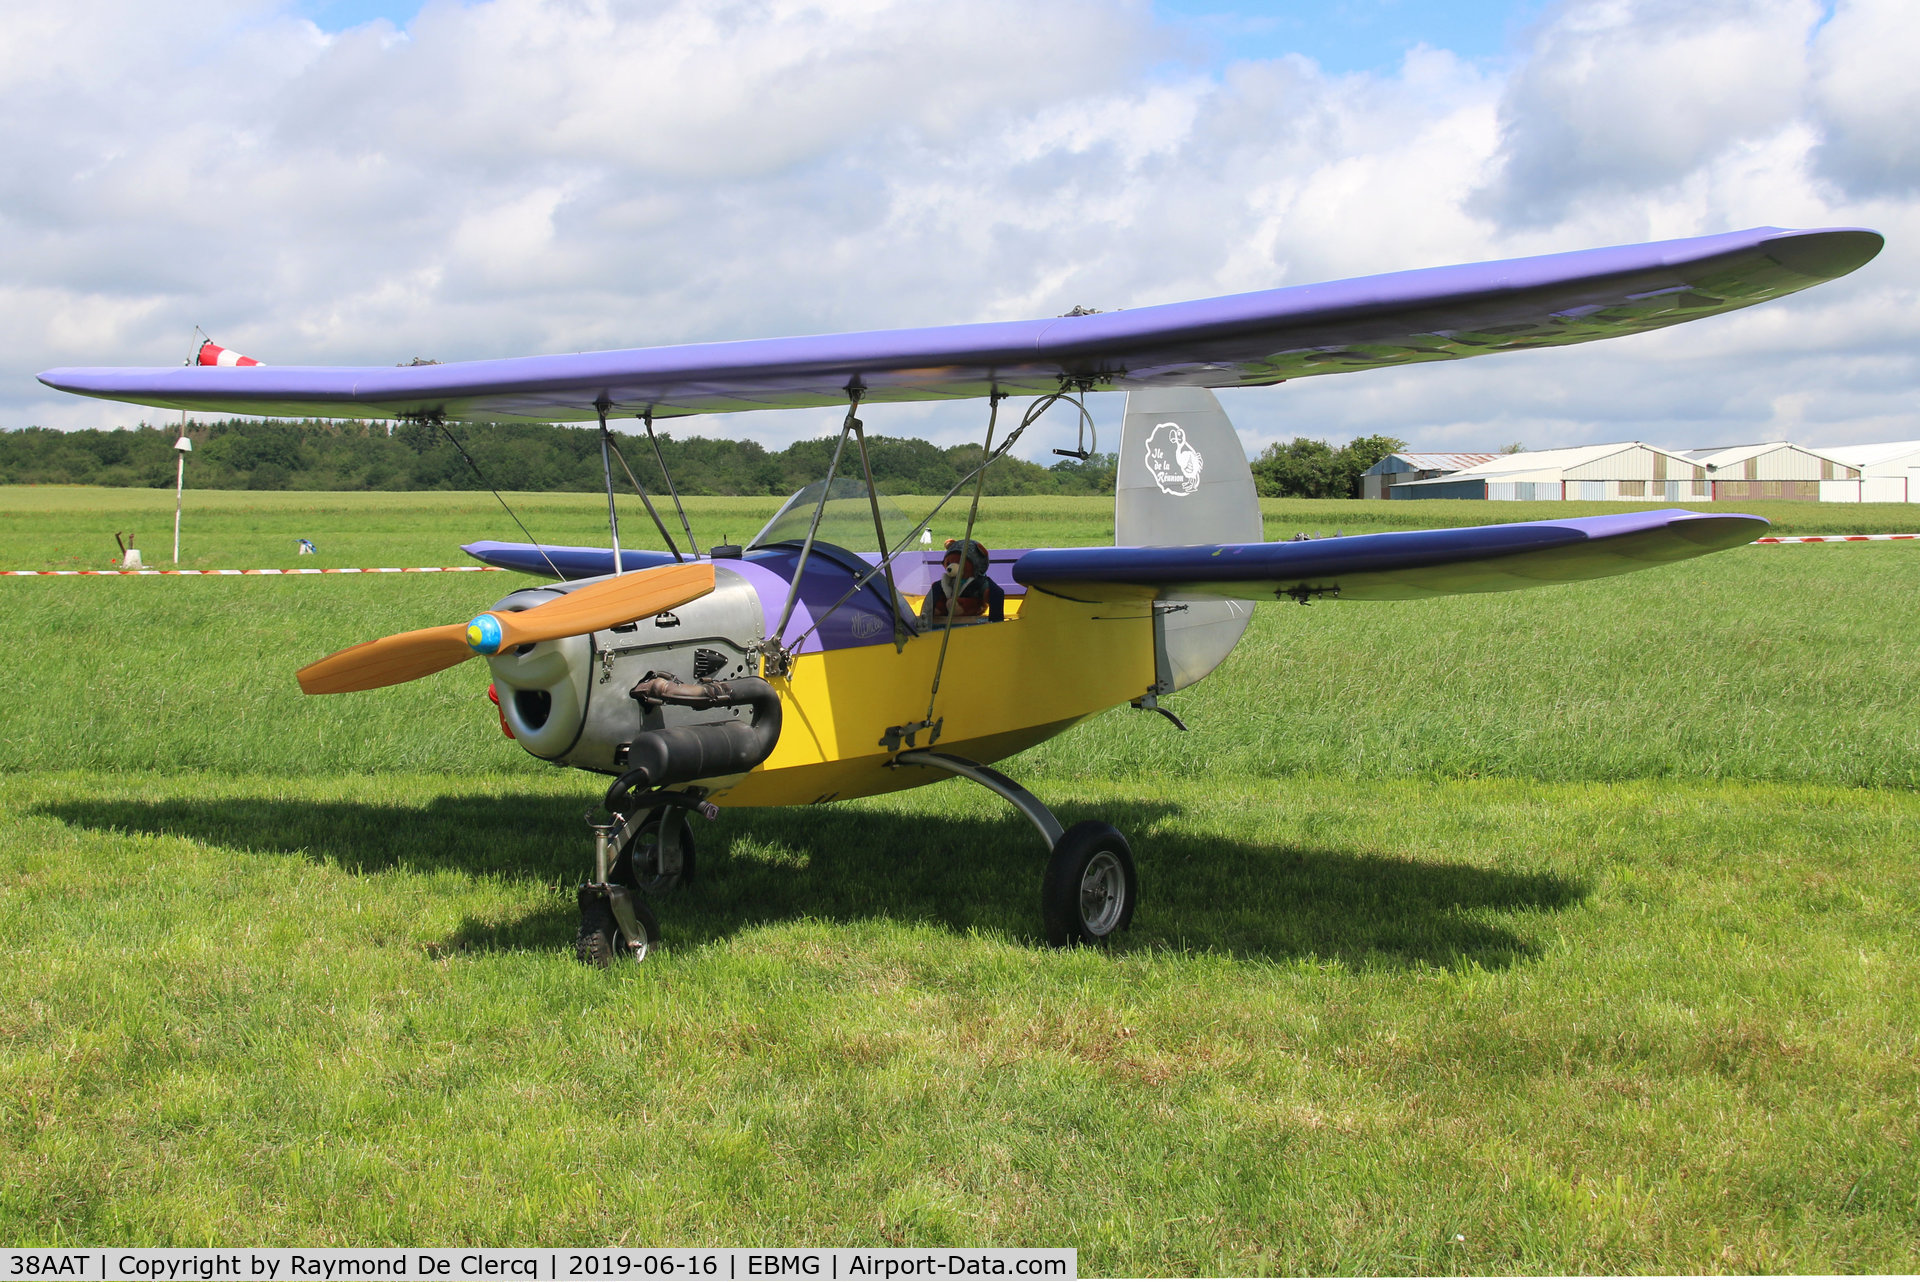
(1091, 887)
(615, 920)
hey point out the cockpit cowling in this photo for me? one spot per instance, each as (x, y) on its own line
(568, 701)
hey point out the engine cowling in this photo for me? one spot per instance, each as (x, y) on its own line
(568, 701)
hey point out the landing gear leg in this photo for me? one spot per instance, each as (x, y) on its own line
(615, 920)
(1091, 887)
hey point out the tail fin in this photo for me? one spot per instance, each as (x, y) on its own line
(1183, 479)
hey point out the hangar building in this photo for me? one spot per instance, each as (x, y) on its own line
(1632, 471)
(1398, 469)
(1776, 470)
(1889, 472)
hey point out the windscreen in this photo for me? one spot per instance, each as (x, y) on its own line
(847, 521)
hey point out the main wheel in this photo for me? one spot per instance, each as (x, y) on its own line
(601, 942)
(1091, 886)
(658, 858)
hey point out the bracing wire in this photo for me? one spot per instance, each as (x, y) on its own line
(819, 509)
(1039, 407)
(646, 502)
(441, 423)
(966, 545)
(673, 491)
(606, 465)
(880, 538)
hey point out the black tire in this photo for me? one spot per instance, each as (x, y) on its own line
(600, 941)
(1091, 887)
(666, 835)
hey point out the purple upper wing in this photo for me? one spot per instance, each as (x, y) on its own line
(1440, 313)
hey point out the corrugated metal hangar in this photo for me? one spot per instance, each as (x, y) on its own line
(1776, 471)
(1625, 470)
(1889, 472)
(1634, 471)
(1399, 469)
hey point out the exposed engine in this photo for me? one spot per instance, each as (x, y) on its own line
(621, 699)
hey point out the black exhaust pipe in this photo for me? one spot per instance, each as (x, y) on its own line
(680, 754)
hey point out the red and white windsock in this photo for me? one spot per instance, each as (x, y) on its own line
(212, 353)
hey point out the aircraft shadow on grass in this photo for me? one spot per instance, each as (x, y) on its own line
(1199, 892)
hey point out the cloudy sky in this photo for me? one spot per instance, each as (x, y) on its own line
(365, 181)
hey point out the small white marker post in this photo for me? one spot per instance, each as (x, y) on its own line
(183, 447)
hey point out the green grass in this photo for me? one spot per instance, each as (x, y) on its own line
(62, 527)
(1562, 931)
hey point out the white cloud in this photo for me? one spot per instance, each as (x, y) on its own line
(1867, 96)
(1620, 96)
(511, 176)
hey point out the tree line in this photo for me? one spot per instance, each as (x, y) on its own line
(321, 454)
(1308, 469)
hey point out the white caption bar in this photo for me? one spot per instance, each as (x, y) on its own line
(641, 1264)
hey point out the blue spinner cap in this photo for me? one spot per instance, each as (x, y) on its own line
(484, 635)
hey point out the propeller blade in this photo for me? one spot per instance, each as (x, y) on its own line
(618, 600)
(392, 660)
(387, 661)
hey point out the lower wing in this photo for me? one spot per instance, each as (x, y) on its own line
(1391, 567)
(562, 562)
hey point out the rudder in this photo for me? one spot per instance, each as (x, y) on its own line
(1183, 479)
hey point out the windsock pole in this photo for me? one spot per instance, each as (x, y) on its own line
(181, 449)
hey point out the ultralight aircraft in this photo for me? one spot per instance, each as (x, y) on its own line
(832, 657)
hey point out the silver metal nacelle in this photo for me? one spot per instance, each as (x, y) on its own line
(566, 701)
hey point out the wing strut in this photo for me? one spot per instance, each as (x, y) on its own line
(647, 502)
(880, 535)
(606, 464)
(782, 658)
(1039, 407)
(973, 512)
(672, 490)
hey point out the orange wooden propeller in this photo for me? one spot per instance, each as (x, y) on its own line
(407, 655)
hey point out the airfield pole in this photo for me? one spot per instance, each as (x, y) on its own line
(182, 448)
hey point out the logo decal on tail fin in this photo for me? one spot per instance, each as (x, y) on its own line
(1173, 463)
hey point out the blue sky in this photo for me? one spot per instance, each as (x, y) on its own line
(508, 181)
(1340, 35)
(1353, 35)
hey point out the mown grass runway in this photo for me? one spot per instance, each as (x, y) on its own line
(1563, 931)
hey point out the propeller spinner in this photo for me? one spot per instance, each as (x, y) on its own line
(408, 655)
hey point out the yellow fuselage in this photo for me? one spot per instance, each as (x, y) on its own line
(1004, 687)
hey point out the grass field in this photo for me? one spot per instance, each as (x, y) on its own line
(1563, 931)
(65, 527)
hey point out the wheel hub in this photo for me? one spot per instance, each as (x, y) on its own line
(1103, 890)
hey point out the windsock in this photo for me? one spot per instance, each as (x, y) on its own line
(213, 354)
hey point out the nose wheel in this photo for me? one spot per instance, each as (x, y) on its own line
(1091, 886)
(616, 925)
(616, 922)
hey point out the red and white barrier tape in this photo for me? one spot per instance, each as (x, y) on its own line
(1838, 538)
(494, 569)
(410, 569)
